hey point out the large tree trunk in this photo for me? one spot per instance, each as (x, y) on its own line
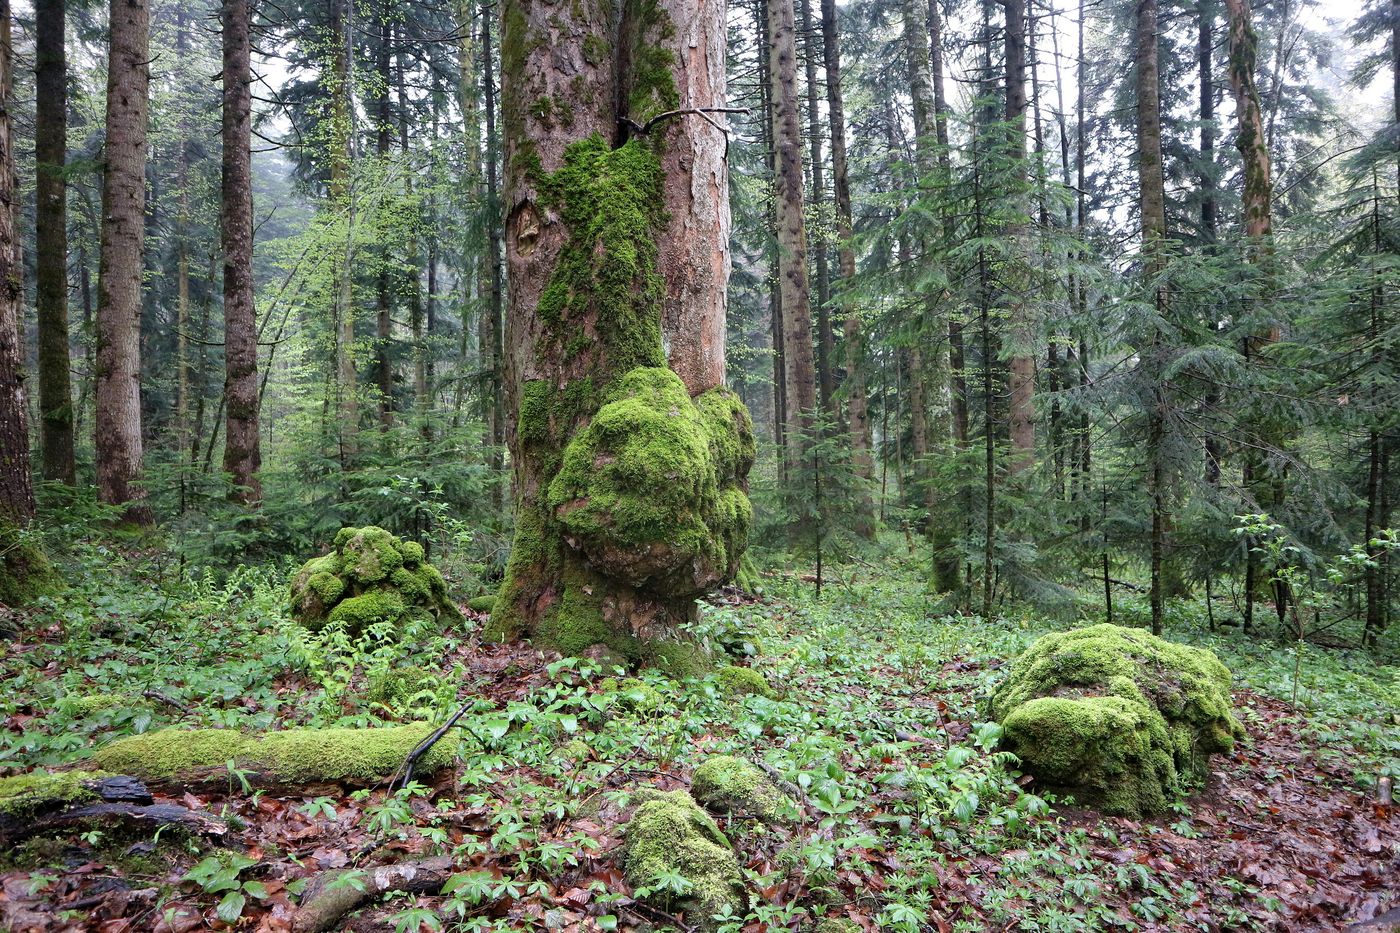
(16, 484)
(1251, 140)
(242, 450)
(799, 371)
(118, 393)
(629, 472)
(1153, 207)
(51, 240)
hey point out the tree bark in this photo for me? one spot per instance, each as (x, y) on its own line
(16, 483)
(957, 351)
(494, 396)
(242, 447)
(826, 343)
(342, 194)
(617, 247)
(1251, 140)
(799, 376)
(118, 392)
(51, 241)
(1152, 205)
(383, 302)
(857, 401)
(1021, 410)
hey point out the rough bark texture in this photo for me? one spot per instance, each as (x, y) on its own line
(16, 485)
(493, 393)
(118, 392)
(1251, 140)
(342, 196)
(242, 450)
(629, 473)
(51, 241)
(799, 375)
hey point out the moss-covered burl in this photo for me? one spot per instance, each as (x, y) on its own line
(1116, 717)
(670, 835)
(371, 576)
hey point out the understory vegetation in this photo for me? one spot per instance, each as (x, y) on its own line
(845, 748)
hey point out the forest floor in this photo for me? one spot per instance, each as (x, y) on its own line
(912, 820)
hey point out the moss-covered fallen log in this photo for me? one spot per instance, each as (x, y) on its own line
(286, 758)
(36, 803)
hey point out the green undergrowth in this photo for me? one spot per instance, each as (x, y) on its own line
(876, 714)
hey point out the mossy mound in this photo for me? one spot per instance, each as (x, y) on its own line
(726, 784)
(651, 492)
(670, 835)
(287, 757)
(1116, 716)
(26, 794)
(25, 570)
(397, 685)
(632, 694)
(482, 604)
(371, 576)
(737, 681)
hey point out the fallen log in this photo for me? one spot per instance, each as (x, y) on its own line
(333, 894)
(288, 758)
(35, 803)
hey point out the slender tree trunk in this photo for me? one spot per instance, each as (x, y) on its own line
(619, 234)
(51, 240)
(775, 295)
(383, 292)
(857, 401)
(242, 446)
(957, 353)
(1251, 139)
(799, 376)
(414, 271)
(826, 341)
(496, 377)
(182, 273)
(1021, 412)
(342, 192)
(16, 482)
(1205, 61)
(118, 393)
(1153, 207)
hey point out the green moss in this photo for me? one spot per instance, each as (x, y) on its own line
(79, 707)
(652, 84)
(1116, 716)
(25, 794)
(372, 576)
(737, 681)
(836, 925)
(481, 603)
(292, 756)
(395, 686)
(633, 694)
(25, 571)
(670, 834)
(727, 784)
(1109, 752)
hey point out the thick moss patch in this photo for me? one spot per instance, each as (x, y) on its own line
(738, 681)
(371, 576)
(290, 756)
(26, 794)
(670, 835)
(1116, 716)
(726, 784)
(25, 570)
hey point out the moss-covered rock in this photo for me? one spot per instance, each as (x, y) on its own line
(371, 576)
(482, 604)
(726, 784)
(25, 570)
(632, 694)
(286, 757)
(649, 493)
(1116, 716)
(737, 681)
(670, 835)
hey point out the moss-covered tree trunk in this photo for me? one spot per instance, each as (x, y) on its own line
(629, 456)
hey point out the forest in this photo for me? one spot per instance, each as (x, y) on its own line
(677, 466)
